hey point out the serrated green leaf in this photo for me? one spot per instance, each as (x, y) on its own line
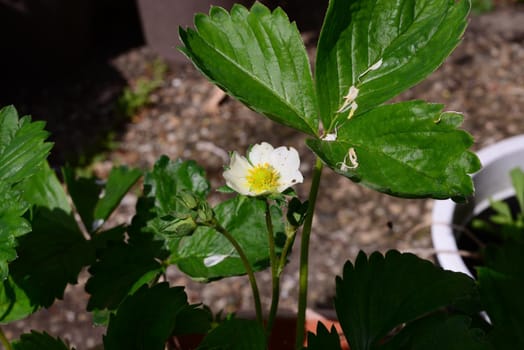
(120, 180)
(258, 57)
(196, 320)
(50, 257)
(22, 146)
(15, 304)
(324, 339)
(39, 341)
(146, 319)
(8, 126)
(439, 332)
(45, 190)
(85, 193)
(22, 154)
(160, 206)
(408, 149)
(378, 294)
(102, 240)
(235, 334)
(501, 296)
(12, 225)
(41, 187)
(501, 283)
(171, 177)
(121, 269)
(40, 269)
(208, 255)
(410, 38)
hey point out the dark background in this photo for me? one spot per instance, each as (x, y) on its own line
(55, 59)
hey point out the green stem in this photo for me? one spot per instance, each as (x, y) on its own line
(287, 245)
(4, 341)
(304, 255)
(275, 278)
(249, 271)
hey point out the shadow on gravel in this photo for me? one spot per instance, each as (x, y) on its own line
(56, 68)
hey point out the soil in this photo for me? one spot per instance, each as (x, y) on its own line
(187, 117)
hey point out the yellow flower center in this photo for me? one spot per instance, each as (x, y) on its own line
(263, 178)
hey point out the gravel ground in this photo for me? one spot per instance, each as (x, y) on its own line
(187, 117)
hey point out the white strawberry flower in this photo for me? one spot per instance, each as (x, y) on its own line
(266, 170)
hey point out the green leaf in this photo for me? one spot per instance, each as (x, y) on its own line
(22, 146)
(324, 339)
(44, 190)
(39, 341)
(501, 295)
(102, 240)
(15, 304)
(85, 193)
(408, 149)
(501, 282)
(168, 178)
(410, 38)
(22, 154)
(235, 334)
(196, 320)
(258, 57)
(146, 319)
(12, 225)
(208, 255)
(158, 210)
(121, 269)
(39, 275)
(120, 180)
(378, 294)
(439, 332)
(50, 257)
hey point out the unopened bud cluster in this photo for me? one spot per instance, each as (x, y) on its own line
(193, 212)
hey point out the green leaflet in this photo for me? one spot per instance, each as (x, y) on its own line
(22, 146)
(15, 304)
(23, 151)
(119, 271)
(235, 334)
(85, 193)
(12, 225)
(409, 149)
(207, 255)
(379, 293)
(258, 57)
(146, 319)
(39, 341)
(410, 38)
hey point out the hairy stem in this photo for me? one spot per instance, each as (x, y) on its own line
(275, 278)
(4, 341)
(249, 271)
(304, 255)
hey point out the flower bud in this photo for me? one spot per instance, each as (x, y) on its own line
(188, 199)
(205, 213)
(182, 226)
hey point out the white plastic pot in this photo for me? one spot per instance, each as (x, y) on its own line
(491, 182)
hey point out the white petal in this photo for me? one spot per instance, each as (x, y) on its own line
(287, 163)
(260, 153)
(236, 174)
